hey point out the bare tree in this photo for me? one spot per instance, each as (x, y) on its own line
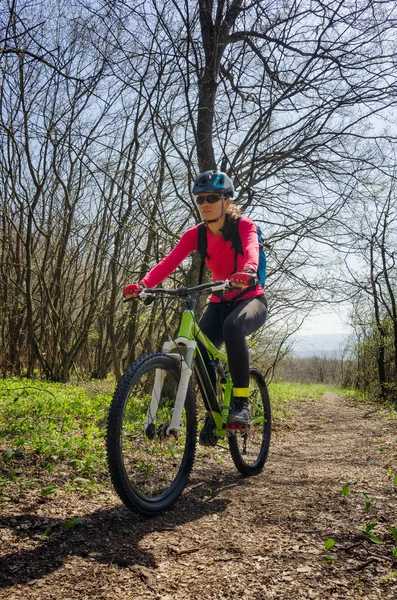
(279, 95)
(370, 277)
(110, 110)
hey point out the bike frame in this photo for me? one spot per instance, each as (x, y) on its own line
(189, 331)
(184, 349)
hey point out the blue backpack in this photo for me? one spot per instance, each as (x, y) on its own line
(238, 249)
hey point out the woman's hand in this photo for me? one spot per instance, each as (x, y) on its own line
(132, 290)
(242, 280)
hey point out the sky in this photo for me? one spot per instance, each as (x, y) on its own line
(324, 334)
(327, 322)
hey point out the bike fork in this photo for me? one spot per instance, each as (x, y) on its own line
(185, 362)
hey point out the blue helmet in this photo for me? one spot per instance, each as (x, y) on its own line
(214, 182)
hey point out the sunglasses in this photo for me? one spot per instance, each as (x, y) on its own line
(210, 199)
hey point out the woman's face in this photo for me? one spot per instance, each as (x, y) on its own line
(210, 206)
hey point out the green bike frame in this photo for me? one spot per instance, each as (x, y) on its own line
(184, 349)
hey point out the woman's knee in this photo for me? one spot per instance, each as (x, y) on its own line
(233, 329)
(246, 319)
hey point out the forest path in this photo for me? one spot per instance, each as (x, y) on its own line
(229, 537)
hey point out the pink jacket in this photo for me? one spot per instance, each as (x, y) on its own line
(221, 261)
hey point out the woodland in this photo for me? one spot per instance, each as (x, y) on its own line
(110, 109)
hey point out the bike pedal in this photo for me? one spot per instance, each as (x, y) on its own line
(233, 427)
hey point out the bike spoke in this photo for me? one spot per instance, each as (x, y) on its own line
(249, 447)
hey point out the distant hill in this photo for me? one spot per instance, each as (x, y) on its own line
(327, 345)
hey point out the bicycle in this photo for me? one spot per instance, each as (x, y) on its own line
(152, 422)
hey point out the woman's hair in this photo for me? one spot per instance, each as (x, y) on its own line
(233, 211)
(232, 214)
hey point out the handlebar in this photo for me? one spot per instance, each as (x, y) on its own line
(184, 292)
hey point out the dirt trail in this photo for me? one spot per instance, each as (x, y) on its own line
(228, 537)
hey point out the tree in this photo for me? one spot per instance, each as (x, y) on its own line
(371, 277)
(110, 110)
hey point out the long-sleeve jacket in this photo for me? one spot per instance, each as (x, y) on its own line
(221, 257)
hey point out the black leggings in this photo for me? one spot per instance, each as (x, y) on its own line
(230, 322)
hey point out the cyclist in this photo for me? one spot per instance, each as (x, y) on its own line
(238, 313)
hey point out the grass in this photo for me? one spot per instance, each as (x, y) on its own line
(282, 394)
(52, 435)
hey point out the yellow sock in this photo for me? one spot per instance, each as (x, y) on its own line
(241, 392)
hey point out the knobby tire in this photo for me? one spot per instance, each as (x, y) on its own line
(149, 473)
(249, 449)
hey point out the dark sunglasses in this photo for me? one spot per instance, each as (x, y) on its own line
(210, 199)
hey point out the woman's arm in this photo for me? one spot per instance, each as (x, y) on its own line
(165, 267)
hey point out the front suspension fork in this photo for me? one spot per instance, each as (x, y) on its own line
(172, 349)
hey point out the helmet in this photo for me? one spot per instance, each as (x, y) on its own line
(214, 182)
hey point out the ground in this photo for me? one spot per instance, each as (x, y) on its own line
(228, 536)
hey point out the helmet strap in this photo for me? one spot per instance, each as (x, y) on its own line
(220, 216)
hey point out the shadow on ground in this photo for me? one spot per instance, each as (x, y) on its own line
(109, 536)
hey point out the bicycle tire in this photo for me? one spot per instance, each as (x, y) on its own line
(149, 473)
(249, 449)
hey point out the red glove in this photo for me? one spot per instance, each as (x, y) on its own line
(132, 290)
(242, 280)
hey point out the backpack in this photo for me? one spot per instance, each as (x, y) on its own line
(238, 249)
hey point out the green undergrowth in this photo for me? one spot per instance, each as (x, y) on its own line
(52, 435)
(51, 438)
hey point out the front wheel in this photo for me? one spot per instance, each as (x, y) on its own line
(249, 449)
(150, 468)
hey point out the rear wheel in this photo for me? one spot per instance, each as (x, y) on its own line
(150, 468)
(249, 448)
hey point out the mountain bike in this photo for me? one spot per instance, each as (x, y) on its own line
(152, 422)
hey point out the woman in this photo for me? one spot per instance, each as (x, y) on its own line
(237, 314)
